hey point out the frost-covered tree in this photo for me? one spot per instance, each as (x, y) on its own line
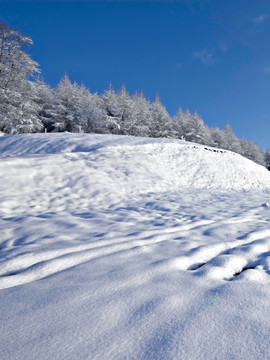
(69, 99)
(66, 100)
(15, 63)
(179, 124)
(80, 111)
(125, 111)
(141, 116)
(110, 100)
(86, 113)
(252, 151)
(161, 123)
(246, 151)
(217, 138)
(110, 104)
(195, 130)
(47, 106)
(19, 111)
(231, 141)
(93, 114)
(191, 127)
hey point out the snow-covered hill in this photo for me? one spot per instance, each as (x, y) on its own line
(115, 247)
(124, 165)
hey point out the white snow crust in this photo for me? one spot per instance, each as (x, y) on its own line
(116, 247)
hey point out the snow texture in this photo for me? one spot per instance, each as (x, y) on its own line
(115, 247)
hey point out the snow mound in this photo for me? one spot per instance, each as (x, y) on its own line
(126, 165)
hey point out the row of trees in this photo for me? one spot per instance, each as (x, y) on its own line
(29, 105)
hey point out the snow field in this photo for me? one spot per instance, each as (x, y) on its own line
(132, 248)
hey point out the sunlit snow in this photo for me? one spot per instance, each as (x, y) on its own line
(116, 247)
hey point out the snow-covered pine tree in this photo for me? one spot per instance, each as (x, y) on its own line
(232, 142)
(110, 104)
(217, 138)
(195, 130)
(252, 151)
(125, 111)
(65, 104)
(92, 113)
(110, 100)
(45, 99)
(141, 116)
(178, 124)
(85, 114)
(71, 100)
(161, 123)
(245, 148)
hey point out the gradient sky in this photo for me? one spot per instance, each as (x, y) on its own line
(212, 57)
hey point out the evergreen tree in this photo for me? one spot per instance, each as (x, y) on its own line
(195, 130)
(141, 116)
(110, 101)
(252, 151)
(68, 111)
(47, 106)
(110, 104)
(125, 112)
(179, 124)
(217, 138)
(232, 142)
(93, 114)
(161, 124)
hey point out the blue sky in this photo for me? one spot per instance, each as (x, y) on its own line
(212, 57)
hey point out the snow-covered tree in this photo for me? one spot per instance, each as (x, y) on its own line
(252, 151)
(217, 138)
(125, 111)
(161, 123)
(111, 106)
(18, 109)
(141, 116)
(68, 113)
(15, 63)
(93, 114)
(179, 124)
(80, 111)
(44, 97)
(232, 142)
(195, 130)
(110, 100)
(191, 127)
(119, 110)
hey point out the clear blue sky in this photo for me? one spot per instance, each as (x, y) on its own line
(209, 56)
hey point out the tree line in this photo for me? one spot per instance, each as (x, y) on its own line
(29, 105)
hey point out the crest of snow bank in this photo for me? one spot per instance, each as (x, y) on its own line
(126, 165)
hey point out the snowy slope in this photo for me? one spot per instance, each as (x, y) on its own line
(115, 247)
(130, 165)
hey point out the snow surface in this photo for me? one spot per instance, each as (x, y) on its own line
(114, 247)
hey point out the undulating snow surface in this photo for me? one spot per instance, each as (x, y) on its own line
(118, 248)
